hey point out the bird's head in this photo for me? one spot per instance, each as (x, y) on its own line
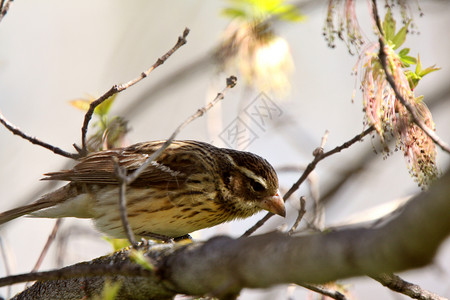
(252, 183)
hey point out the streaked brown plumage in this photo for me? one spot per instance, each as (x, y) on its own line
(192, 185)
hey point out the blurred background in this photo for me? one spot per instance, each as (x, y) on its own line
(52, 52)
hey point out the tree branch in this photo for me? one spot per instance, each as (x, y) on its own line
(4, 7)
(112, 91)
(15, 130)
(301, 213)
(319, 155)
(399, 285)
(47, 245)
(115, 89)
(122, 176)
(324, 291)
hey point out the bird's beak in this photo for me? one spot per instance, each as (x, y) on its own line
(274, 204)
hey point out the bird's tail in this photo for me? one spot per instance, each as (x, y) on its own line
(46, 201)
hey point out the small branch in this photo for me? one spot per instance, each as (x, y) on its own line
(4, 7)
(70, 233)
(231, 82)
(318, 217)
(124, 212)
(319, 150)
(121, 87)
(307, 171)
(399, 285)
(411, 109)
(50, 240)
(6, 261)
(121, 174)
(15, 130)
(4, 257)
(301, 213)
(324, 291)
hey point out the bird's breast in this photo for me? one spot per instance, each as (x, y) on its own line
(169, 213)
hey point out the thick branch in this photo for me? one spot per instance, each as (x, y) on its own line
(409, 241)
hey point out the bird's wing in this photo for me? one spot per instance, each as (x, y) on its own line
(99, 168)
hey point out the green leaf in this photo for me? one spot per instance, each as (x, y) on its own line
(288, 13)
(82, 104)
(413, 79)
(408, 60)
(426, 71)
(117, 244)
(400, 37)
(103, 109)
(389, 26)
(234, 13)
(419, 99)
(267, 6)
(138, 257)
(429, 70)
(110, 291)
(419, 65)
(257, 9)
(403, 52)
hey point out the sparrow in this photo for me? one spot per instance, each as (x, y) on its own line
(191, 186)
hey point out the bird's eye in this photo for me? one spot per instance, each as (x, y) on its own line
(256, 186)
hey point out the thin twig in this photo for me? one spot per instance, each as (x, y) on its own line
(70, 233)
(411, 109)
(301, 213)
(319, 150)
(15, 130)
(305, 174)
(124, 213)
(324, 139)
(399, 285)
(50, 240)
(44, 251)
(120, 87)
(4, 7)
(3, 250)
(318, 211)
(324, 291)
(121, 174)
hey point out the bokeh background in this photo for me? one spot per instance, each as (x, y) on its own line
(54, 51)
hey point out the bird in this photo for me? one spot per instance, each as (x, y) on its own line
(192, 185)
